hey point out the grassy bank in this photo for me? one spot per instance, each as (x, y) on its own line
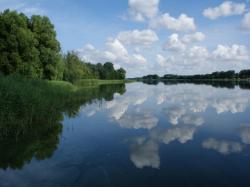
(97, 82)
(28, 101)
(31, 113)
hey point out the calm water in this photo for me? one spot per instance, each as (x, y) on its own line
(148, 135)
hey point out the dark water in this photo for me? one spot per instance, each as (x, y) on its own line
(148, 135)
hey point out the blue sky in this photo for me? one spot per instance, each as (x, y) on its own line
(153, 36)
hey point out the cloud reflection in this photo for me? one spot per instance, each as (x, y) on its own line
(245, 134)
(145, 153)
(183, 107)
(222, 146)
(137, 120)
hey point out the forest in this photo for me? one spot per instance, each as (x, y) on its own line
(29, 47)
(243, 74)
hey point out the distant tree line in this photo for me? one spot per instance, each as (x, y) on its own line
(28, 46)
(218, 83)
(76, 69)
(243, 74)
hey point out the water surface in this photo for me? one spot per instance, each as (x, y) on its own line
(147, 135)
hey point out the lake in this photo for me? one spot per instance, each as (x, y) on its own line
(157, 134)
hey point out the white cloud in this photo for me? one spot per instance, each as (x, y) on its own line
(181, 24)
(227, 8)
(222, 146)
(138, 37)
(139, 10)
(89, 47)
(174, 43)
(245, 23)
(32, 11)
(182, 55)
(89, 54)
(177, 43)
(232, 53)
(198, 52)
(117, 50)
(139, 59)
(162, 61)
(195, 37)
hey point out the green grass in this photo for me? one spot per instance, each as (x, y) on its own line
(96, 82)
(28, 101)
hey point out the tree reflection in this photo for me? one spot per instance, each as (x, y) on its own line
(215, 83)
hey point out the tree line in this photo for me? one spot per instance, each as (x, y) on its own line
(243, 74)
(28, 46)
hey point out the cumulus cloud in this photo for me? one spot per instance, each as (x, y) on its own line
(163, 61)
(198, 52)
(138, 58)
(227, 8)
(174, 43)
(138, 37)
(222, 146)
(116, 50)
(245, 23)
(131, 49)
(195, 37)
(139, 10)
(231, 53)
(181, 24)
(177, 43)
(89, 54)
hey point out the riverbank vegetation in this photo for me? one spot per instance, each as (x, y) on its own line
(31, 112)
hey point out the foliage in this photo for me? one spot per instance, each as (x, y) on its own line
(244, 74)
(28, 46)
(76, 69)
(155, 77)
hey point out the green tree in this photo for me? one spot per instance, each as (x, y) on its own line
(74, 68)
(109, 71)
(121, 73)
(48, 47)
(18, 52)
